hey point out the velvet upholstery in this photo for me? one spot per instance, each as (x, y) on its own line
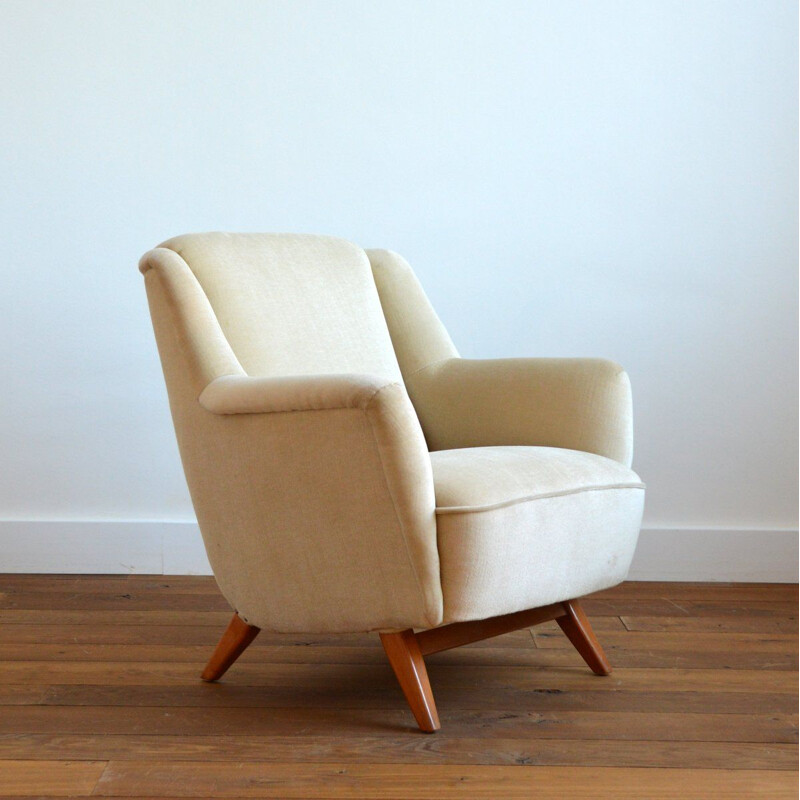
(350, 472)
(520, 527)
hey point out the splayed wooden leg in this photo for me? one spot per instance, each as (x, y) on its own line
(578, 630)
(232, 644)
(408, 664)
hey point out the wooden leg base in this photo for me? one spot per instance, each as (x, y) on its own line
(406, 649)
(580, 633)
(403, 652)
(232, 644)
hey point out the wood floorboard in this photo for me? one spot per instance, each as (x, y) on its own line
(400, 748)
(122, 617)
(128, 598)
(174, 584)
(546, 657)
(445, 671)
(497, 723)
(377, 696)
(100, 695)
(679, 590)
(208, 635)
(139, 599)
(57, 778)
(312, 675)
(675, 641)
(432, 782)
(599, 607)
(762, 625)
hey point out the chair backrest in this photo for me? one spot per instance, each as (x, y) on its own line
(292, 304)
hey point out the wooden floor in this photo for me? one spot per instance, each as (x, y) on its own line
(100, 694)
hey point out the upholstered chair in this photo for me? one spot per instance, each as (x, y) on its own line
(350, 472)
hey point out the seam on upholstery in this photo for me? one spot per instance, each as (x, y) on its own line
(530, 498)
(361, 404)
(280, 411)
(397, 513)
(176, 315)
(432, 364)
(368, 403)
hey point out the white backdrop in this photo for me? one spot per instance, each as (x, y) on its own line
(602, 178)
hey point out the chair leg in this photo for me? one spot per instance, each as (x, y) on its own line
(232, 644)
(578, 630)
(408, 664)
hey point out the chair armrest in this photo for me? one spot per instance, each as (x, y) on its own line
(242, 394)
(315, 497)
(574, 403)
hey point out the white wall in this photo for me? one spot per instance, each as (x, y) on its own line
(600, 178)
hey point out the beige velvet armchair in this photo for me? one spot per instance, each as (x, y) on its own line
(350, 472)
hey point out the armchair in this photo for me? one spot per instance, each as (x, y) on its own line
(351, 473)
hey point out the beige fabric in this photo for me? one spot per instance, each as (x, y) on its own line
(484, 478)
(205, 352)
(418, 336)
(307, 464)
(520, 527)
(318, 514)
(292, 304)
(578, 404)
(241, 394)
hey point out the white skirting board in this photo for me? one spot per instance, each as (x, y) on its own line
(176, 548)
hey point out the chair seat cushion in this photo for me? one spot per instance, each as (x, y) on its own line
(520, 527)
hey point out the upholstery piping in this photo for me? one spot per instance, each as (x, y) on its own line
(432, 364)
(530, 498)
(362, 403)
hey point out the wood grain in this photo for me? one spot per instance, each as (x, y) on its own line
(394, 748)
(194, 721)
(682, 590)
(521, 676)
(116, 618)
(55, 778)
(551, 654)
(126, 599)
(438, 782)
(99, 692)
(172, 584)
(761, 625)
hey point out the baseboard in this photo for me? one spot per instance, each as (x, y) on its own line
(716, 554)
(176, 548)
(106, 547)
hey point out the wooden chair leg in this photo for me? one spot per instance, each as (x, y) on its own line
(578, 630)
(408, 664)
(232, 644)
